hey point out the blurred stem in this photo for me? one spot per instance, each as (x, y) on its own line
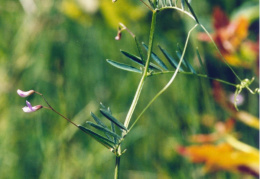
(144, 75)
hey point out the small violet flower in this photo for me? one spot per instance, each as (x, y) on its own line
(29, 108)
(239, 100)
(25, 93)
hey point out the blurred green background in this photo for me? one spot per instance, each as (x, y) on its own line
(59, 48)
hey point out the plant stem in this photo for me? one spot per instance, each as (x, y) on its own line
(198, 75)
(141, 83)
(117, 167)
(138, 91)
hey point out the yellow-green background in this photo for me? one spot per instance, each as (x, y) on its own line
(59, 48)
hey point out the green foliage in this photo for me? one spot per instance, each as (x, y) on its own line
(52, 51)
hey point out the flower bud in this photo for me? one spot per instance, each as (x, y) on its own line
(25, 93)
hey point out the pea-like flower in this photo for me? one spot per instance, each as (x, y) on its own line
(25, 93)
(29, 108)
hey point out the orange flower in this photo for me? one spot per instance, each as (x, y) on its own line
(222, 157)
(231, 39)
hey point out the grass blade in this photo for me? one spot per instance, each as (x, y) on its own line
(112, 119)
(172, 61)
(124, 66)
(156, 58)
(107, 143)
(105, 130)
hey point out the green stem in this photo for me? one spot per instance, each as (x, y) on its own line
(198, 75)
(139, 89)
(117, 167)
(144, 75)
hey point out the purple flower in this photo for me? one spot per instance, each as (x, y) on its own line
(24, 93)
(238, 99)
(29, 108)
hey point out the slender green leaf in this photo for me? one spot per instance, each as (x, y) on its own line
(107, 143)
(182, 4)
(109, 110)
(191, 10)
(112, 124)
(201, 64)
(132, 57)
(98, 121)
(191, 68)
(105, 108)
(156, 58)
(123, 66)
(139, 60)
(172, 61)
(102, 105)
(156, 3)
(113, 129)
(112, 119)
(179, 56)
(139, 49)
(154, 67)
(151, 3)
(163, 2)
(186, 63)
(170, 2)
(105, 130)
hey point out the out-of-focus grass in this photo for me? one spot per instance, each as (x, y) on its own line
(63, 56)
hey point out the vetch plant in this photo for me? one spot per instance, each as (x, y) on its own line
(109, 136)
